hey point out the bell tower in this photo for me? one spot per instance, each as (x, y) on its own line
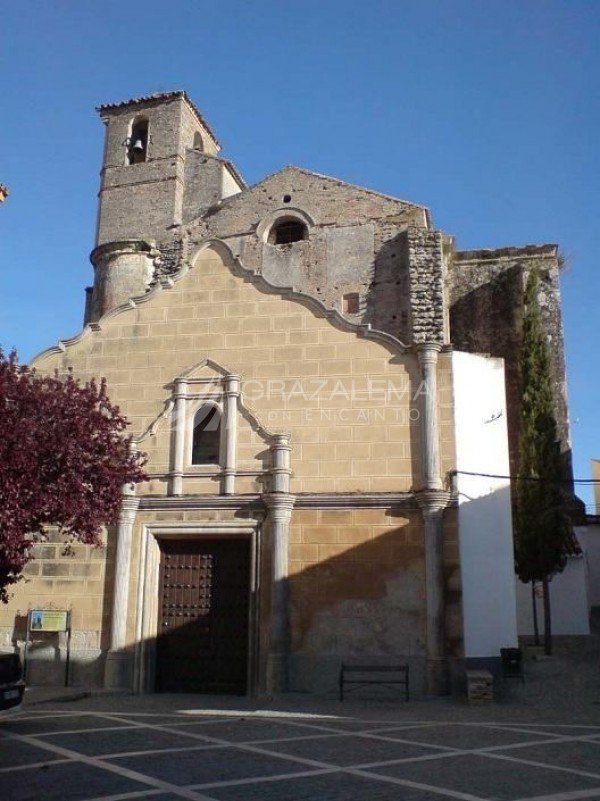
(160, 169)
(143, 174)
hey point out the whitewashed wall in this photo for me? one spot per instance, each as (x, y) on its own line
(484, 515)
(589, 539)
(569, 604)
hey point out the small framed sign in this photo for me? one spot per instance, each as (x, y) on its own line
(46, 621)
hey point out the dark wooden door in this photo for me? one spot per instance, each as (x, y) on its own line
(203, 615)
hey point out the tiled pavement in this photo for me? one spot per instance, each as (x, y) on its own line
(132, 748)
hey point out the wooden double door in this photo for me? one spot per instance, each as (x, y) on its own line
(203, 620)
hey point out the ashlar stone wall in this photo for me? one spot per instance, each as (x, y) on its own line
(349, 404)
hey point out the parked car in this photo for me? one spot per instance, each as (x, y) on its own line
(12, 685)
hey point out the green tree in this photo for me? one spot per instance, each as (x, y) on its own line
(544, 532)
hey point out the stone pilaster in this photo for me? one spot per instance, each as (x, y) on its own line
(116, 674)
(280, 507)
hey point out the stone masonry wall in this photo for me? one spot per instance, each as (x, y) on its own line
(486, 293)
(426, 281)
(354, 246)
(144, 200)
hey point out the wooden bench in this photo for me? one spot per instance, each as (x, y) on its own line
(373, 674)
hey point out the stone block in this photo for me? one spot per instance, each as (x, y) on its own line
(480, 686)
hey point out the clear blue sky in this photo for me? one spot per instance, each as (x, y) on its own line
(487, 112)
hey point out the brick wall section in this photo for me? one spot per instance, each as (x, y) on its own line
(426, 280)
(486, 292)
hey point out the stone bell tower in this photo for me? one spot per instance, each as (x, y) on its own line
(160, 169)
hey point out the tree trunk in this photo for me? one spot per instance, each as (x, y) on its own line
(536, 624)
(547, 618)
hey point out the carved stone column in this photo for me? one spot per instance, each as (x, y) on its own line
(428, 357)
(433, 500)
(232, 393)
(179, 421)
(117, 668)
(280, 507)
(281, 471)
(433, 503)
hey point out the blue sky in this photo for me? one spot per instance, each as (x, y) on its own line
(487, 112)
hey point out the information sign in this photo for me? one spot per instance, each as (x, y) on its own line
(49, 620)
(44, 621)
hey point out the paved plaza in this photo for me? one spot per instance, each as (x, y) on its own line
(170, 747)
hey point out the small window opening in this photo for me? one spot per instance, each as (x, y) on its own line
(287, 231)
(137, 146)
(207, 436)
(287, 198)
(351, 303)
(198, 143)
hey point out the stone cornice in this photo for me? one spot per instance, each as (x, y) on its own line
(172, 502)
(306, 500)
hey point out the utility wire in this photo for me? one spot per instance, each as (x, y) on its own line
(528, 478)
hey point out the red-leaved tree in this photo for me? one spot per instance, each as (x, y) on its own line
(64, 459)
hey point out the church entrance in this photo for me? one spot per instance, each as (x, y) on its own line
(202, 643)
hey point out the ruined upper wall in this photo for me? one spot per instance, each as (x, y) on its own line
(485, 291)
(356, 242)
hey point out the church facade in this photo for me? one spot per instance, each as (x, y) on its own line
(327, 392)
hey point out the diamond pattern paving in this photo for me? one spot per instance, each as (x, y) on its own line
(489, 778)
(573, 755)
(108, 754)
(333, 787)
(206, 766)
(64, 782)
(97, 743)
(350, 749)
(466, 737)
